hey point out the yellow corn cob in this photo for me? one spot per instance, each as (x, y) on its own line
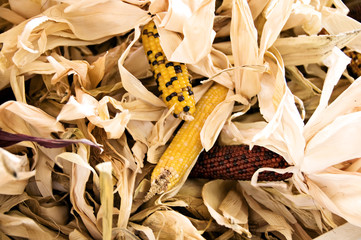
(186, 145)
(172, 78)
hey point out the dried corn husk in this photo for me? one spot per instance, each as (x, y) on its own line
(77, 70)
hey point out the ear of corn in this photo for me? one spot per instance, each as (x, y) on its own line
(237, 162)
(355, 64)
(184, 149)
(172, 78)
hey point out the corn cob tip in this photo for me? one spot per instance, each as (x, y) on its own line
(159, 185)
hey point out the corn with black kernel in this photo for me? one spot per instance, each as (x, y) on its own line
(172, 78)
(238, 162)
(355, 64)
(184, 149)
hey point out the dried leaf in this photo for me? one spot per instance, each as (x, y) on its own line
(214, 123)
(244, 33)
(106, 198)
(214, 193)
(15, 173)
(97, 113)
(346, 230)
(311, 49)
(336, 22)
(144, 231)
(304, 16)
(171, 224)
(80, 174)
(276, 222)
(17, 225)
(194, 20)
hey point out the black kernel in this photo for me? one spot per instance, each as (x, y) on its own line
(154, 62)
(190, 92)
(186, 108)
(145, 32)
(168, 64)
(158, 54)
(169, 97)
(149, 52)
(173, 78)
(177, 69)
(180, 98)
(167, 84)
(156, 35)
(175, 115)
(159, 75)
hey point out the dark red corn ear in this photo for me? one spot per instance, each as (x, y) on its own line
(237, 162)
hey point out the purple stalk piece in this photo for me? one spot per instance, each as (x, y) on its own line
(8, 139)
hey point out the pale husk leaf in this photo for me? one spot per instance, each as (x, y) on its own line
(318, 120)
(97, 113)
(214, 193)
(268, 201)
(336, 64)
(160, 134)
(276, 222)
(144, 231)
(276, 14)
(214, 123)
(171, 224)
(345, 231)
(106, 198)
(343, 131)
(131, 83)
(15, 173)
(53, 214)
(283, 133)
(336, 22)
(244, 33)
(16, 224)
(29, 9)
(311, 49)
(22, 118)
(212, 66)
(80, 174)
(194, 20)
(304, 16)
(338, 192)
